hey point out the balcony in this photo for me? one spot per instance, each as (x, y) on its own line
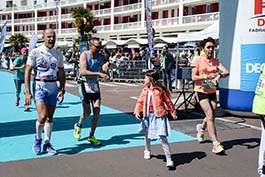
(8, 22)
(127, 26)
(66, 17)
(102, 12)
(68, 30)
(24, 20)
(201, 18)
(165, 22)
(25, 33)
(47, 18)
(103, 28)
(156, 3)
(40, 32)
(127, 8)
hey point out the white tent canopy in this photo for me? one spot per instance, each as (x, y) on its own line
(125, 42)
(211, 31)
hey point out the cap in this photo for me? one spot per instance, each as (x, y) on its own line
(23, 49)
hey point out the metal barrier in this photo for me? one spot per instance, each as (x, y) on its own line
(128, 70)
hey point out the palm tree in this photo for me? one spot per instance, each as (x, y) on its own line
(84, 21)
(18, 41)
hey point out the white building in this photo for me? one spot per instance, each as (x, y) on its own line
(116, 19)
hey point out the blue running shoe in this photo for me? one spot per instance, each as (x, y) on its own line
(47, 147)
(36, 148)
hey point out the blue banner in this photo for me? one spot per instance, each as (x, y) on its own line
(3, 37)
(83, 46)
(33, 42)
(252, 61)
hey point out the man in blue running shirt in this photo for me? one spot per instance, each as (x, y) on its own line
(47, 63)
(88, 86)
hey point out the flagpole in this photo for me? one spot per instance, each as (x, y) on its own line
(3, 37)
(148, 14)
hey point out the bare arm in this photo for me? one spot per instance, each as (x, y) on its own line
(85, 72)
(224, 71)
(61, 78)
(15, 67)
(28, 95)
(196, 77)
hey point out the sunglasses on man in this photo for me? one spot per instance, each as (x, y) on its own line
(98, 46)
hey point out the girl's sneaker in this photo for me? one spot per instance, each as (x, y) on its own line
(147, 155)
(218, 148)
(170, 163)
(200, 133)
(26, 108)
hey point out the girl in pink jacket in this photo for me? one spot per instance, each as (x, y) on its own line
(155, 123)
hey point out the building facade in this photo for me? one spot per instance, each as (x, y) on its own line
(115, 19)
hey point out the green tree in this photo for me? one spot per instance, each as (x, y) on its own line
(84, 21)
(18, 41)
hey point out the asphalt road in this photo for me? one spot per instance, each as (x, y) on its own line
(239, 135)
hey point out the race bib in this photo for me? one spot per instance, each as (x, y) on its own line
(208, 83)
(260, 86)
(91, 88)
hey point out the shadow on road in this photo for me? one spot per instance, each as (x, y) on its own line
(114, 140)
(182, 158)
(26, 127)
(250, 143)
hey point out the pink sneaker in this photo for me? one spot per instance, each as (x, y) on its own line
(200, 133)
(17, 101)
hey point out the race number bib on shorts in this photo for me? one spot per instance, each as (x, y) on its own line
(91, 88)
(260, 86)
(208, 83)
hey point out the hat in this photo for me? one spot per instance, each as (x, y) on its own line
(23, 49)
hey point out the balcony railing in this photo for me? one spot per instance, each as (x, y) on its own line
(103, 28)
(201, 18)
(66, 16)
(40, 32)
(47, 18)
(68, 30)
(3, 21)
(126, 26)
(166, 22)
(25, 33)
(102, 11)
(24, 20)
(128, 7)
(163, 2)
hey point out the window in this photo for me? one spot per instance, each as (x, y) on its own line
(9, 4)
(23, 2)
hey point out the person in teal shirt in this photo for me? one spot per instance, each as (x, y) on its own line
(259, 109)
(19, 65)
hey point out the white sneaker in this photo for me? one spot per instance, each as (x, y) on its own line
(147, 155)
(200, 133)
(170, 163)
(218, 148)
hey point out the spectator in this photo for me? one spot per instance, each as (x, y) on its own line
(167, 66)
(183, 60)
